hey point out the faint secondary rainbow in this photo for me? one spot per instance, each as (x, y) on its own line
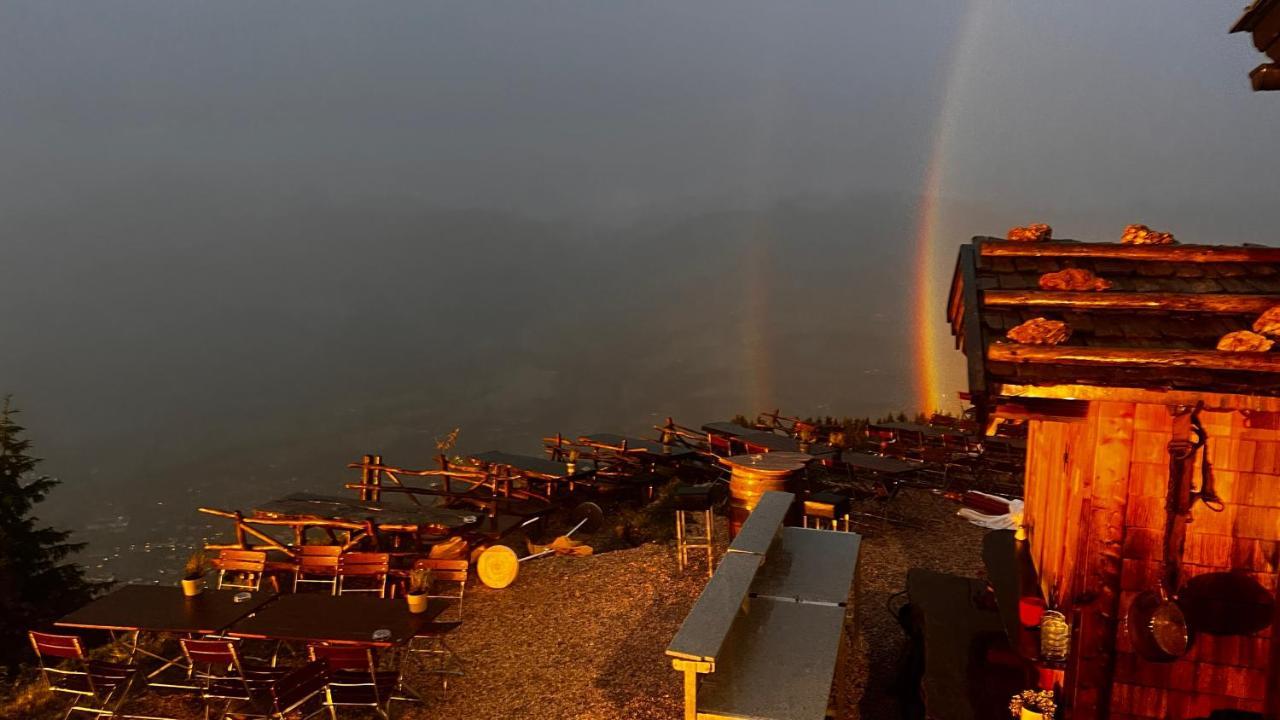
(928, 309)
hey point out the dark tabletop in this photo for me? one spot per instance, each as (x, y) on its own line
(160, 608)
(528, 463)
(930, 430)
(727, 428)
(651, 447)
(334, 507)
(878, 464)
(316, 617)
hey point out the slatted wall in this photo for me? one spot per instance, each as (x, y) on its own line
(1095, 504)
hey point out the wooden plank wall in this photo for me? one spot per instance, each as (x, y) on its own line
(1220, 672)
(1058, 480)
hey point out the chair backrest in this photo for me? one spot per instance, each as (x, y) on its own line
(297, 687)
(58, 646)
(344, 657)
(318, 564)
(247, 564)
(364, 565)
(212, 653)
(446, 571)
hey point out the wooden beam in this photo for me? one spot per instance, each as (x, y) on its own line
(1212, 400)
(992, 247)
(1168, 302)
(1134, 357)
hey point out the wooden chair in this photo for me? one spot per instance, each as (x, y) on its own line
(354, 679)
(245, 568)
(98, 688)
(317, 565)
(371, 566)
(245, 691)
(432, 639)
(452, 574)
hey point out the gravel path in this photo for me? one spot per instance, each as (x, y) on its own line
(584, 637)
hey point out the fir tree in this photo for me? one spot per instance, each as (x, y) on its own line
(36, 584)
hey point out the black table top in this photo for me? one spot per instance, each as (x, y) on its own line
(390, 512)
(878, 464)
(160, 608)
(650, 447)
(528, 463)
(316, 617)
(930, 430)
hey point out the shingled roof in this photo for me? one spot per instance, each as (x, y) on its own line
(1155, 328)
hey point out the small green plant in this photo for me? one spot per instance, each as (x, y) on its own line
(419, 581)
(197, 565)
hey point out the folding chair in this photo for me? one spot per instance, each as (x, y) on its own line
(241, 569)
(221, 677)
(285, 695)
(431, 638)
(371, 566)
(96, 687)
(354, 679)
(317, 565)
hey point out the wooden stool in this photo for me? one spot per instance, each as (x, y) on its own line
(828, 506)
(695, 502)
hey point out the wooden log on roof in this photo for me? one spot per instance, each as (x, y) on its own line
(1167, 302)
(1169, 253)
(1134, 357)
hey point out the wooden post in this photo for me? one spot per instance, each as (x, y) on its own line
(365, 481)
(1094, 661)
(376, 477)
(240, 540)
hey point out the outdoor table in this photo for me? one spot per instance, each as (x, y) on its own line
(349, 619)
(930, 430)
(878, 463)
(536, 466)
(636, 445)
(161, 609)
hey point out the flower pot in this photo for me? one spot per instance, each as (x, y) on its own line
(1029, 714)
(192, 587)
(417, 603)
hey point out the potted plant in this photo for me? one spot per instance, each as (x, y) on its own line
(419, 586)
(193, 573)
(1033, 705)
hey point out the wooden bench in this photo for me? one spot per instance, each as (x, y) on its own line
(763, 639)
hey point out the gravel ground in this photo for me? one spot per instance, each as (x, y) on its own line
(584, 637)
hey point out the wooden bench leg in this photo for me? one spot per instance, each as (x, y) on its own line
(691, 668)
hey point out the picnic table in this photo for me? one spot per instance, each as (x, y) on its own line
(766, 632)
(304, 505)
(536, 467)
(351, 619)
(878, 464)
(640, 446)
(163, 610)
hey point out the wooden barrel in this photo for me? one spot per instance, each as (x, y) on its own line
(755, 475)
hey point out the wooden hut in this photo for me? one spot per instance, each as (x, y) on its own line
(1105, 409)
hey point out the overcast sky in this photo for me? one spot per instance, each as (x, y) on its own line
(186, 187)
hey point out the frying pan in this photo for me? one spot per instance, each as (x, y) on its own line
(1157, 624)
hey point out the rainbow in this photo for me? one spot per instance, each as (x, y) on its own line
(927, 306)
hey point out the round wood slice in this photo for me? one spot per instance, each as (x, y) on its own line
(498, 566)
